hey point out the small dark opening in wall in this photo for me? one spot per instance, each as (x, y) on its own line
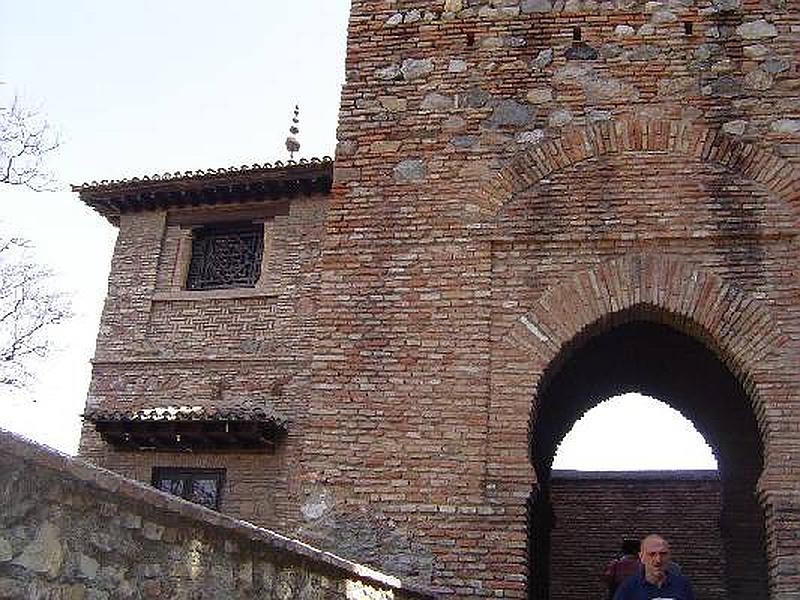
(687, 27)
(576, 34)
(470, 39)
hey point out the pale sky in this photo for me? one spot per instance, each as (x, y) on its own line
(144, 87)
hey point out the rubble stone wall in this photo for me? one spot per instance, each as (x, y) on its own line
(75, 532)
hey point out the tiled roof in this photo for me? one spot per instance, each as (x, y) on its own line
(187, 413)
(201, 174)
(277, 180)
(235, 427)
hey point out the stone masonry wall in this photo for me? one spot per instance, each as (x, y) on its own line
(511, 175)
(75, 532)
(595, 511)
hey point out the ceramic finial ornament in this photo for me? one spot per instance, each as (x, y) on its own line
(292, 145)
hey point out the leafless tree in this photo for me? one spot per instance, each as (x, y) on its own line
(26, 138)
(29, 308)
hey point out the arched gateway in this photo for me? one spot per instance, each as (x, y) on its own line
(663, 323)
(657, 326)
(658, 311)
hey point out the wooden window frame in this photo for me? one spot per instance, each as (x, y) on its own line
(189, 475)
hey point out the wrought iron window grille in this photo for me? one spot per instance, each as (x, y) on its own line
(226, 256)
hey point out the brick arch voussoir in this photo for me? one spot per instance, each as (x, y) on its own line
(696, 142)
(733, 323)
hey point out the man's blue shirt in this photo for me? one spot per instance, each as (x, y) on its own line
(636, 587)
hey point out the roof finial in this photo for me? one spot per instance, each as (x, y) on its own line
(292, 145)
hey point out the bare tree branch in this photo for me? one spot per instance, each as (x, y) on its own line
(26, 138)
(29, 309)
(29, 306)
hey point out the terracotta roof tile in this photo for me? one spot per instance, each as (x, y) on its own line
(248, 183)
(187, 413)
(201, 174)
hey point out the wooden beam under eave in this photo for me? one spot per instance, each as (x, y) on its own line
(188, 436)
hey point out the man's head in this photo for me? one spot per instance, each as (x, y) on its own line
(654, 555)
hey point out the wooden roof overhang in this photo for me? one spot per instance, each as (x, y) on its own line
(214, 186)
(208, 433)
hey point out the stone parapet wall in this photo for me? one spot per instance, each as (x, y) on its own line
(76, 532)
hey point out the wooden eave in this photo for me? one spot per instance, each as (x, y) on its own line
(112, 199)
(191, 435)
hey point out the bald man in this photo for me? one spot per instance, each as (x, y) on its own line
(655, 581)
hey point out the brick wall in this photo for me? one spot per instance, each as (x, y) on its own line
(594, 511)
(503, 189)
(70, 530)
(160, 345)
(504, 192)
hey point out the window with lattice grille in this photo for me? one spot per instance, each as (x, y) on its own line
(226, 256)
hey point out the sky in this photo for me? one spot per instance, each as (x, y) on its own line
(137, 88)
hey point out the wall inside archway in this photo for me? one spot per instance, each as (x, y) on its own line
(683, 506)
(656, 359)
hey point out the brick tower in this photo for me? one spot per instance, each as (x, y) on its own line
(524, 189)
(535, 205)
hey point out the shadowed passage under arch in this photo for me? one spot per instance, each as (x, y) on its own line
(635, 354)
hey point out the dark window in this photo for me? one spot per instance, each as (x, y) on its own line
(226, 256)
(202, 486)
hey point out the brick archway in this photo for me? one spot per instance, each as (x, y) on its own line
(692, 141)
(737, 327)
(731, 323)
